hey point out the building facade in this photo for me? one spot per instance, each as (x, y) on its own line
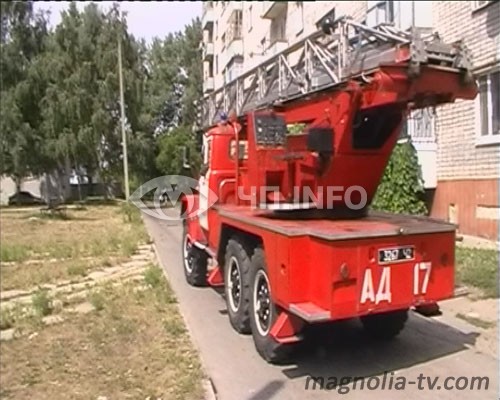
(458, 145)
(468, 134)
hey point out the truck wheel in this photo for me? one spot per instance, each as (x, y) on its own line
(236, 285)
(194, 260)
(263, 312)
(385, 326)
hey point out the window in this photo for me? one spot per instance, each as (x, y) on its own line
(242, 151)
(300, 10)
(235, 26)
(278, 28)
(379, 12)
(420, 126)
(406, 14)
(488, 108)
(206, 148)
(223, 40)
(216, 65)
(233, 70)
(249, 18)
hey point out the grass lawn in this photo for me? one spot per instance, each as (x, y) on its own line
(130, 343)
(37, 249)
(478, 268)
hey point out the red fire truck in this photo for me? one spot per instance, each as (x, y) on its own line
(282, 220)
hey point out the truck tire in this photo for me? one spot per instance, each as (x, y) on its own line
(263, 312)
(194, 261)
(237, 285)
(385, 326)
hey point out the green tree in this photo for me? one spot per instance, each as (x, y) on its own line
(164, 93)
(193, 68)
(401, 189)
(81, 105)
(22, 86)
(170, 157)
(60, 94)
(173, 83)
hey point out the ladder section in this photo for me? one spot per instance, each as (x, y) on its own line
(341, 50)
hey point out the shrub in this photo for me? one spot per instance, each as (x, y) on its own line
(42, 303)
(153, 276)
(97, 300)
(131, 213)
(7, 318)
(401, 188)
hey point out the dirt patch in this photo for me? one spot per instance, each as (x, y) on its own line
(481, 315)
(133, 345)
(86, 314)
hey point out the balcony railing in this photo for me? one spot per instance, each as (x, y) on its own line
(277, 46)
(208, 84)
(233, 49)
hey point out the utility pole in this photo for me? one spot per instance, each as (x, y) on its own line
(122, 112)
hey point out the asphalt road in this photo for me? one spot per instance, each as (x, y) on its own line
(427, 349)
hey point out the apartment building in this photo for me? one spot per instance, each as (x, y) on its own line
(468, 132)
(458, 145)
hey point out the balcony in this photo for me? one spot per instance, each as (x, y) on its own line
(233, 6)
(207, 19)
(272, 9)
(234, 38)
(208, 85)
(233, 49)
(420, 127)
(277, 47)
(208, 51)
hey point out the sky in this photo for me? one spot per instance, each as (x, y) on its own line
(145, 19)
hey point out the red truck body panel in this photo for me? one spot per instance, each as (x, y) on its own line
(333, 264)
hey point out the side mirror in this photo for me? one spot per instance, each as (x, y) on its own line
(185, 157)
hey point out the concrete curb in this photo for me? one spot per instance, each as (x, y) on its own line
(207, 384)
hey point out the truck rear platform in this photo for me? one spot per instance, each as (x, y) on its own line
(324, 270)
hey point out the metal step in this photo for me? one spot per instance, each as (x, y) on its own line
(310, 312)
(322, 61)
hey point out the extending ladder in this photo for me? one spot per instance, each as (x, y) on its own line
(341, 50)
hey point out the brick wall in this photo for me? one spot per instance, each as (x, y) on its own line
(459, 157)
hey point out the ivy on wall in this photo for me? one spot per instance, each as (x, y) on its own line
(401, 189)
